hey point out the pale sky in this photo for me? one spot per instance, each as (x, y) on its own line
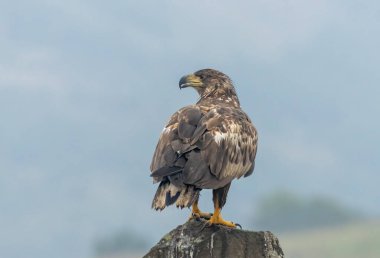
(86, 88)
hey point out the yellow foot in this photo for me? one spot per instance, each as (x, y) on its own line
(199, 214)
(217, 219)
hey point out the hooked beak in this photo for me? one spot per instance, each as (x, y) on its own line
(190, 80)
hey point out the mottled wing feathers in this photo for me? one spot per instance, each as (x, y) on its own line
(175, 138)
(232, 150)
(209, 145)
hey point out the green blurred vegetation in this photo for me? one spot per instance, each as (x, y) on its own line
(317, 227)
(123, 241)
(359, 239)
(286, 212)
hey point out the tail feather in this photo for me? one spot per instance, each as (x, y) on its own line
(187, 197)
(168, 194)
(169, 199)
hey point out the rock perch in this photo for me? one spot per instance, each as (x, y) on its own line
(194, 240)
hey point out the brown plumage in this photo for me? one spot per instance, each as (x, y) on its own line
(204, 146)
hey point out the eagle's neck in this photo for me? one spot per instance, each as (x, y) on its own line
(217, 96)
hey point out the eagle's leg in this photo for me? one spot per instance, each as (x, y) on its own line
(219, 199)
(196, 212)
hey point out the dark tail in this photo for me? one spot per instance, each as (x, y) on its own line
(168, 194)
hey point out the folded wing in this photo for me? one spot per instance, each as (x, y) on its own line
(205, 147)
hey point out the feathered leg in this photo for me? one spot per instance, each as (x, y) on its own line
(219, 197)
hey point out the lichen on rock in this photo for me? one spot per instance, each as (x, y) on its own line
(195, 240)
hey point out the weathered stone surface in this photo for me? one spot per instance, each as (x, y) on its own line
(194, 240)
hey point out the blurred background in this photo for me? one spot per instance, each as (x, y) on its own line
(87, 86)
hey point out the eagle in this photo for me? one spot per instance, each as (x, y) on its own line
(204, 146)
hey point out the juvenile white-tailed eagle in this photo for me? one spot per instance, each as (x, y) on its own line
(204, 146)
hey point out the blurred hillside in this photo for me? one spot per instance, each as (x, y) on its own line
(286, 212)
(121, 243)
(360, 239)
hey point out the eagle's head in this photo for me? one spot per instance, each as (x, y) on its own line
(211, 84)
